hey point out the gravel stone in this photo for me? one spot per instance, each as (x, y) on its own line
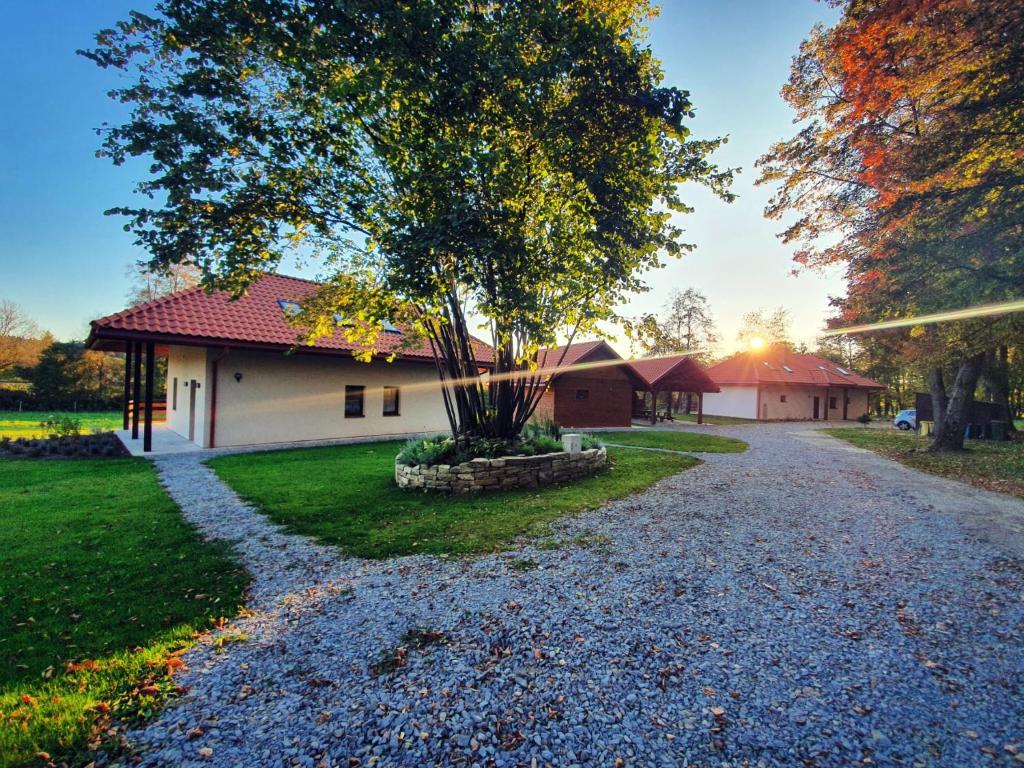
(803, 603)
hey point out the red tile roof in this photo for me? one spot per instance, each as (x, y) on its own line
(574, 353)
(681, 373)
(255, 320)
(782, 366)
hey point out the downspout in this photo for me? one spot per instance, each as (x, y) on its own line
(213, 395)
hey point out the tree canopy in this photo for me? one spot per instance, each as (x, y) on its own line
(907, 169)
(442, 159)
(685, 325)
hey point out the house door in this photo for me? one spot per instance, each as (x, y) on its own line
(193, 385)
(817, 405)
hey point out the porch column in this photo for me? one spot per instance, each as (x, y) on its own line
(700, 407)
(654, 406)
(668, 413)
(147, 439)
(136, 388)
(846, 404)
(826, 403)
(127, 384)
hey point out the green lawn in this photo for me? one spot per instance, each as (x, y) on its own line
(100, 569)
(346, 495)
(14, 424)
(987, 464)
(714, 421)
(675, 440)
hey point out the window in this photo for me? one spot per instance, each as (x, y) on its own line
(782, 398)
(843, 371)
(832, 403)
(353, 401)
(391, 401)
(289, 307)
(174, 395)
(787, 369)
(390, 327)
(582, 394)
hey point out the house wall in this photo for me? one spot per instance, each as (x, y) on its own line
(737, 401)
(186, 364)
(608, 404)
(302, 397)
(799, 403)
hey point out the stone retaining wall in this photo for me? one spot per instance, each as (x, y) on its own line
(508, 472)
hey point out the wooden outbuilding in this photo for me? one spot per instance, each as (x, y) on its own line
(593, 386)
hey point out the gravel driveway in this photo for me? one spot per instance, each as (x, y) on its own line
(804, 603)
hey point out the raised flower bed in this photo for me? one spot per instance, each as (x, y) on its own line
(504, 473)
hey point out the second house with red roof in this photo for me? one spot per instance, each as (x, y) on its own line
(778, 384)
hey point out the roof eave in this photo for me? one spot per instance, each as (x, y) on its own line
(99, 334)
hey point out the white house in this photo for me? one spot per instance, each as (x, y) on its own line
(777, 384)
(235, 376)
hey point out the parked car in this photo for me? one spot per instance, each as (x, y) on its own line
(906, 419)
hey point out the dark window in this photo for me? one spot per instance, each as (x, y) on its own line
(174, 395)
(390, 401)
(832, 403)
(353, 401)
(582, 394)
(782, 398)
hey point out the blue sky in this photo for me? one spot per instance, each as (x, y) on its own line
(66, 263)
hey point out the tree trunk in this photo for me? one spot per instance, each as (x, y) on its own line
(958, 409)
(939, 400)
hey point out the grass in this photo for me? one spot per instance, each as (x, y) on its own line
(675, 441)
(997, 466)
(103, 582)
(714, 421)
(346, 496)
(15, 424)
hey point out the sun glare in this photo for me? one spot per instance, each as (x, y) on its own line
(757, 343)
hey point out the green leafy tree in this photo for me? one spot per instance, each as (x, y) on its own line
(69, 376)
(907, 170)
(517, 162)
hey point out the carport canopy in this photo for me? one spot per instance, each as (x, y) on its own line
(674, 373)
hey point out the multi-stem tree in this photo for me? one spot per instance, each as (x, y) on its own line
(516, 162)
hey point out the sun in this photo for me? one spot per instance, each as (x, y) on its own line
(757, 343)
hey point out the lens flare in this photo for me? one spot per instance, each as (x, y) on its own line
(984, 310)
(757, 343)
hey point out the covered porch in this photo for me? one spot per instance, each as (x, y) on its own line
(666, 379)
(143, 413)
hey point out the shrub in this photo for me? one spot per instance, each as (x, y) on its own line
(864, 419)
(441, 449)
(536, 445)
(542, 427)
(428, 451)
(71, 446)
(61, 426)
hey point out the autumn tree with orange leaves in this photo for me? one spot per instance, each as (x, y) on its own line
(908, 169)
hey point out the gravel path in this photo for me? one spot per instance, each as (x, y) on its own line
(804, 603)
